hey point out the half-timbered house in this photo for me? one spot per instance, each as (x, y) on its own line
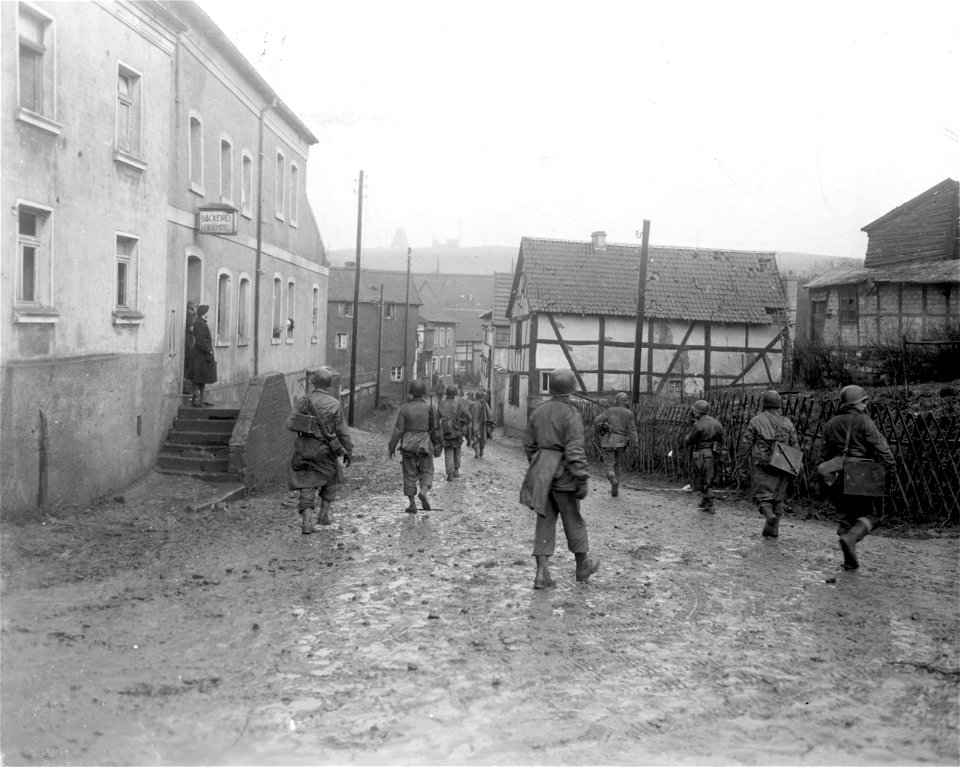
(712, 317)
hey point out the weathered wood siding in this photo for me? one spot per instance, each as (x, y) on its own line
(925, 230)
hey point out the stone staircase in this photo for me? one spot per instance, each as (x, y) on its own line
(198, 445)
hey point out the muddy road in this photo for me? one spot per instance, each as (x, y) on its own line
(136, 632)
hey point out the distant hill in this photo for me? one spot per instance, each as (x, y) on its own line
(445, 259)
(811, 264)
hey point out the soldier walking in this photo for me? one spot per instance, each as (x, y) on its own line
(852, 431)
(454, 420)
(762, 433)
(619, 431)
(418, 434)
(705, 440)
(481, 423)
(556, 479)
(317, 453)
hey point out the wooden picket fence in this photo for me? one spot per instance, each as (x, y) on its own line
(927, 448)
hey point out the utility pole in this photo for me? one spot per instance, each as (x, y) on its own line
(356, 305)
(406, 325)
(376, 401)
(641, 309)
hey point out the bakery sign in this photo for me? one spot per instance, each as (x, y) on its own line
(217, 219)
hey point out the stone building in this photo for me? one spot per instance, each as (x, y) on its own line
(124, 124)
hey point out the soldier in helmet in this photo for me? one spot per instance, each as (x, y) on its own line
(481, 423)
(705, 440)
(317, 453)
(618, 430)
(454, 421)
(854, 429)
(769, 488)
(556, 480)
(418, 434)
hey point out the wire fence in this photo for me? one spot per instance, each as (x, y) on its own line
(927, 448)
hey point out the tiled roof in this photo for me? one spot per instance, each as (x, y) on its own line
(460, 291)
(921, 273)
(342, 281)
(682, 283)
(469, 324)
(502, 287)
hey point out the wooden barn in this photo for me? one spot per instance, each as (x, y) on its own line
(712, 318)
(909, 285)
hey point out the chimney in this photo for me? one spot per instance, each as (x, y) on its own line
(599, 240)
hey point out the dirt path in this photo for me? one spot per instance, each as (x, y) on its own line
(137, 632)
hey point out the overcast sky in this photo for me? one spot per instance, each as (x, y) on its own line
(749, 125)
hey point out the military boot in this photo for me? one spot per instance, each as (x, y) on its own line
(771, 526)
(423, 500)
(306, 521)
(543, 579)
(476, 451)
(412, 506)
(324, 518)
(849, 541)
(586, 567)
(614, 484)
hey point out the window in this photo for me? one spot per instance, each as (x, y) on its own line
(34, 268)
(224, 292)
(345, 309)
(517, 335)
(396, 373)
(291, 309)
(294, 193)
(129, 111)
(280, 188)
(502, 337)
(315, 316)
(514, 395)
(544, 382)
(342, 341)
(243, 311)
(848, 303)
(673, 386)
(127, 256)
(389, 310)
(277, 309)
(226, 170)
(818, 319)
(195, 155)
(246, 184)
(36, 63)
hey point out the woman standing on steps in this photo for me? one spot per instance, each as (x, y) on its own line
(203, 366)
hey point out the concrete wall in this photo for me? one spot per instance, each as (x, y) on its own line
(261, 446)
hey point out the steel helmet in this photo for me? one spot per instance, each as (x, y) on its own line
(770, 400)
(852, 394)
(701, 407)
(417, 389)
(452, 391)
(322, 378)
(621, 398)
(562, 381)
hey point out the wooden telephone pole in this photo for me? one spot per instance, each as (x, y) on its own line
(356, 305)
(641, 310)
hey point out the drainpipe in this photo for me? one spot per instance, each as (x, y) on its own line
(258, 268)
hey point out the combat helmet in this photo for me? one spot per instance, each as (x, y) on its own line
(562, 381)
(417, 388)
(621, 398)
(452, 391)
(322, 378)
(770, 400)
(852, 395)
(701, 407)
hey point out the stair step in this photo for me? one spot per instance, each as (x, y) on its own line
(200, 424)
(198, 464)
(214, 413)
(206, 476)
(177, 437)
(195, 450)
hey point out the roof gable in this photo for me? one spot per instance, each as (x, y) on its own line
(342, 281)
(682, 283)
